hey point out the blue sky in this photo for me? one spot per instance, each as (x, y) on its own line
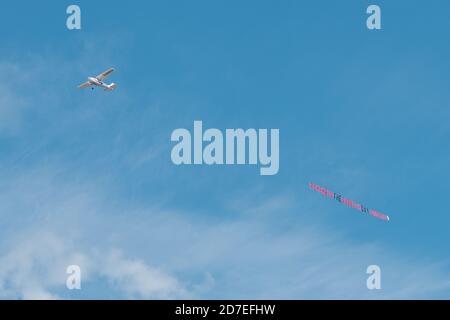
(87, 179)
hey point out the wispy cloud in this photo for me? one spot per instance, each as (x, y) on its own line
(138, 280)
(50, 224)
(35, 269)
(159, 252)
(12, 105)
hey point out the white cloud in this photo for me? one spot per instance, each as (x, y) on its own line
(139, 280)
(168, 253)
(52, 223)
(33, 266)
(35, 269)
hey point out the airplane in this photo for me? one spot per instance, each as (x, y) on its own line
(98, 81)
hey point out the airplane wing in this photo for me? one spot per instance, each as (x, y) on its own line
(84, 85)
(102, 76)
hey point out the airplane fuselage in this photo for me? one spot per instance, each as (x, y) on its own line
(96, 82)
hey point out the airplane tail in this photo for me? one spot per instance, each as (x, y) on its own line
(111, 87)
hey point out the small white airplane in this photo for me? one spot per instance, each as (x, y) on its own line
(98, 81)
